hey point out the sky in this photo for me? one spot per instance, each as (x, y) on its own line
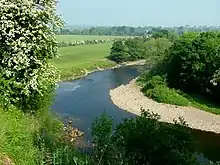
(140, 12)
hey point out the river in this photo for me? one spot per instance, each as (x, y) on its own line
(87, 98)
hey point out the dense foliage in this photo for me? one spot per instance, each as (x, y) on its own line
(189, 70)
(139, 48)
(119, 52)
(155, 49)
(16, 137)
(142, 140)
(135, 48)
(27, 42)
(27, 81)
(113, 31)
(192, 62)
(128, 50)
(163, 33)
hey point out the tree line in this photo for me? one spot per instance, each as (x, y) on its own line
(141, 47)
(130, 31)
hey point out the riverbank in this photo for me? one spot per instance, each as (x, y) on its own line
(100, 67)
(130, 98)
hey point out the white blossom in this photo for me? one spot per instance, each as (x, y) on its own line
(28, 43)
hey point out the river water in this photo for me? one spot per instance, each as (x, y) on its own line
(85, 99)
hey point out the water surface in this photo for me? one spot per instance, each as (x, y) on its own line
(85, 99)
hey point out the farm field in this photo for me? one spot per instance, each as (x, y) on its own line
(61, 38)
(74, 60)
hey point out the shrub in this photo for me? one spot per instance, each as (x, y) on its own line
(52, 145)
(135, 48)
(62, 154)
(119, 52)
(155, 49)
(163, 94)
(102, 134)
(144, 140)
(153, 82)
(155, 87)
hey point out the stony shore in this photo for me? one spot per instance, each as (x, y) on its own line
(130, 98)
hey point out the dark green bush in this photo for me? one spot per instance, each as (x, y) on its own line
(153, 82)
(192, 61)
(143, 140)
(156, 70)
(119, 52)
(128, 50)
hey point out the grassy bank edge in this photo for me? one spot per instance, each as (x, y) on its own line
(79, 72)
(157, 89)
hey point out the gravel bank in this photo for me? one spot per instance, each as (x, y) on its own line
(130, 98)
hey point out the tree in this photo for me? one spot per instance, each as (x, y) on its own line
(27, 43)
(163, 33)
(155, 48)
(119, 52)
(135, 48)
(192, 61)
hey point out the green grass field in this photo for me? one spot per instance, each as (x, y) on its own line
(85, 37)
(74, 60)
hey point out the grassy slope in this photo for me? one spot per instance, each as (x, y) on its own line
(84, 37)
(16, 137)
(74, 59)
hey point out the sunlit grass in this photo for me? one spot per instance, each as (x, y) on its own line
(74, 60)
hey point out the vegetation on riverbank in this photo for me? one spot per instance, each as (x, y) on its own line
(138, 141)
(30, 134)
(189, 65)
(139, 48)
(157, 89)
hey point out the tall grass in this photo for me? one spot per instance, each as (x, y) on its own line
(17, 132)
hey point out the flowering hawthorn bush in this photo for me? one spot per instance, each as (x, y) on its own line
(27, 42)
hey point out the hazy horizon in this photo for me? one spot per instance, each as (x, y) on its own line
(140, 12)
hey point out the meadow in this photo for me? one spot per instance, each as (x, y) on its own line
(74, 60)
(61, 38)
